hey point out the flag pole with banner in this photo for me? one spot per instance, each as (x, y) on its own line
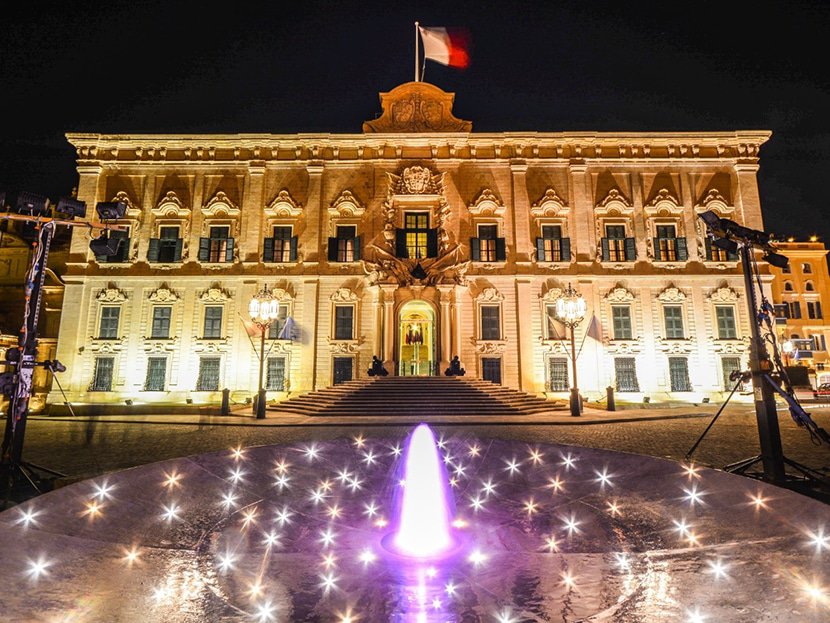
(417, 51)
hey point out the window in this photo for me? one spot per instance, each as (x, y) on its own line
(814, 310)
(787, 269)
(616, 247)
(673, 317)
(208, 380)
(490, 322)
(794, 309)
(213, 322)
(218, 248)
(275, 379)
(552, 247)
(625, 371)
(102, 377)
(416, 228)
(491, 369)
(788, 286)
(278, 323)
(729, 365)
(806, 268)
(558, 367)
(809, 287)
(679, 374)
(123, 253)
(167, 247)
(161, 323)
(716, 254)
(282, 247)
(345, 247)
(108, 329)
(553, 323)
(782, 310)
(488, 247)
(725, 315)
(667, 246)
(156, 374)
(343, 322)
(621, 316)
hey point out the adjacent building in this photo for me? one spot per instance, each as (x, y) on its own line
(416, 241)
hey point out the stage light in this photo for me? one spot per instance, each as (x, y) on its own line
(71, 207)
(776, 259)
(106, 245)
(730, 246)
(111, 210)
(24, 202)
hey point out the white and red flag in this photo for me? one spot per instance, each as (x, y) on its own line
(448, 46)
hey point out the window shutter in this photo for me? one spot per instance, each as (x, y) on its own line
(400, 243)
(268, 250)
(566, 249)
(229, 251)
(501, 250)
(796, 310)
(432, 243)
(606, 253)
(682, 251)
(475, 249)
(153, 251)
(707, 244)
(292, 249)
(356, 248)
(630, 250)
(177, 255)
(540, 249)
(818, 310)
(658, 252)
(732, 256)
(332, 253)
(204, 249)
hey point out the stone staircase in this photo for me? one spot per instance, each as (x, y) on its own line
(417, 397)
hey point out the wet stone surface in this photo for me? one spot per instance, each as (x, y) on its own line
(294, 533)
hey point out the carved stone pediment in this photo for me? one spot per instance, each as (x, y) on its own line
(343, 295)
(730, 347)
(346, 206)
(713, 200)
(416, 180)
(663, 204)
(214, 294)
(675, 346)
(490, 295)
(160, 346)
(549, 204)
(284, 206)
(619, 294)
(133, 212)
(490, 347)
(220, 205)
(111, 294)
(106, 346)
(417, 107)
(487, 204)
(552, 294)
(163, 294)
(615, 200)
(672, 295)
(170, 206)
(724, 294)
(554, 347)
(623, 347)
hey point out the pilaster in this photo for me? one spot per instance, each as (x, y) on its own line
(583, 237)
(747, 199)
(309, 240)
(524, 332)
(251, 225)
(521, 212)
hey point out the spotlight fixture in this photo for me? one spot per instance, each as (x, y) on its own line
(111, 210)
(107, 244)
(24, 202)
(71, 207)
(727, 235)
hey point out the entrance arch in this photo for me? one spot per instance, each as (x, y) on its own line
(416, 339)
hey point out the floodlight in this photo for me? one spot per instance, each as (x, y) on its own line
(24, 202)
(710, 218)
(106, 245)
(111, 210)
(71, 207)
(730, 246)
(776, 259)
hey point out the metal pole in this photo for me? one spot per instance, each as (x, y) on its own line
(417, 52)
(772, 455)
(260, 402)
(575, 402)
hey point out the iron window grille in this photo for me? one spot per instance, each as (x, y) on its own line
(729, 365)
(102, 375)
(160, 329)
(625, 371)
(558, 368)
(275, 377)
(491, 369)
(212, 329)
(156, 374)
(208, 380)
(108, 328)
(679, 374)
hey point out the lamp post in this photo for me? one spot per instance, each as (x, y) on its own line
(263, 310)
(570, 310)
(787, 347)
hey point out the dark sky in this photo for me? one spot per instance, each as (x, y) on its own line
(286, 67)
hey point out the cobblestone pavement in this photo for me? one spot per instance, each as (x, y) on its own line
(82, 449)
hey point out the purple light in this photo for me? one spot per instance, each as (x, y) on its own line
(425, 515)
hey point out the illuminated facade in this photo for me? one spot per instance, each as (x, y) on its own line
(416, 241)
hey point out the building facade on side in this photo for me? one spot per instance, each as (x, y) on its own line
(415, 241)
(800, 292)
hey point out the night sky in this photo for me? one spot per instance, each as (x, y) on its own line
(180, 67)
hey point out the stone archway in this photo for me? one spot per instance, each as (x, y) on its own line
(417, 339)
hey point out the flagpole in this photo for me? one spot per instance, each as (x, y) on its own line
(416, 52)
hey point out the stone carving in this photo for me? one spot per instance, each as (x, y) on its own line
(163, 294)
(346, 206)
(664, 199)
(160, 346)
(553, 346)
(345, 347)
(343, 295)
(106, 346)
(715, 201)
(624, 347)
(490, 347)
(283, 296)
(675, 346)
(487, 204)
(552, 294)
(284, 206)
(417, 107)
(615, 199)
(724, 294)
(171, 206)
(210, 345)
(619, 294)
(490, 295)
(730, 347)
(549, 204)
(111, 294)
(214, 294)
(417, 181)
(671, 295)
(220, 205)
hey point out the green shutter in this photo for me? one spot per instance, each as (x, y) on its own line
(177, 255)
(566, 249)
(332, 252)
(658, 255)
(229, 251)
(153, 251)
(501, 250)
(707, 244)
(475, 249)
(400, 244)
(682, 251)
(432, 243)
(630, 250)
(540, 249)
(268, 250)
(292, 249)
(356, 248)
(606, 252)
(204, 249)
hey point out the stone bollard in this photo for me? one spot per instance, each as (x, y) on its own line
(226, 401)
(611, 404)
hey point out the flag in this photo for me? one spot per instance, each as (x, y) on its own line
(593, 329)
(448, 46)
(289, 330)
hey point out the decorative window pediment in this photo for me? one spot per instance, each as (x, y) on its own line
(487, 204)
(163, 294)
(220, 206)
(663, 204)
(284, 206)
(133, 212)
(716, 202)
(416, 180)
(724, 294)
(550, 204)
(283, 296)
(214, 294)
(615, 203)
(619, 294)
(672, 294)
(111, 294)
(344, 295)
(346, 206)
(490, 295)
(552, 294)
(170, 206)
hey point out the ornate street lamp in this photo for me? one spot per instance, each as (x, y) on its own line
(263, 309)
(570, 310)
(787, 347)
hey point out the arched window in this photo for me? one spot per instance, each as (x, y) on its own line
(809, 286)
(788, 286)
(806, 268)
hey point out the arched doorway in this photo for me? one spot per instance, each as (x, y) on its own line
(416, 339)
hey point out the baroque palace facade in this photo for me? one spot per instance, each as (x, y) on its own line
(415, 241)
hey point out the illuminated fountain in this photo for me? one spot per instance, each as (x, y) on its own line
(483, 530)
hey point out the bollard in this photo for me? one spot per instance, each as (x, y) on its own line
(612, 405)
(226, 401)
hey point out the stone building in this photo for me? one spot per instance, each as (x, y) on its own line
(416, 240)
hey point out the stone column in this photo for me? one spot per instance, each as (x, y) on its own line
(308, 353)
(582, 234)
(309, 241)
(446, 327)
(389, 329)
(521, 212)
(524, 332)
